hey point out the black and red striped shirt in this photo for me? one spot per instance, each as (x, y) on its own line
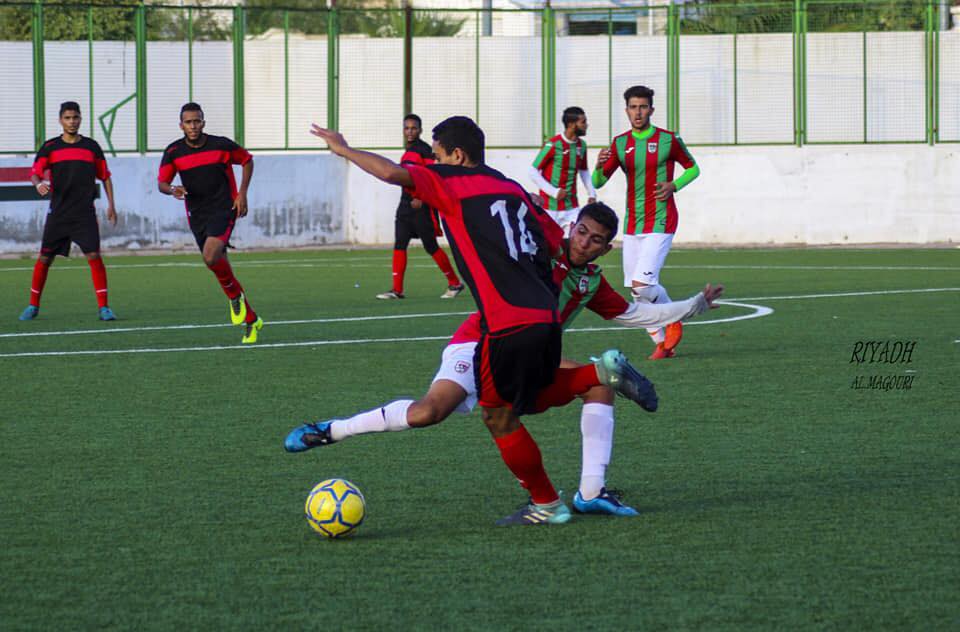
(418, 153)
(74, 168)
(206, 172)
(497, 240)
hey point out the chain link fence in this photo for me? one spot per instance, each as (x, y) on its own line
(808, 71)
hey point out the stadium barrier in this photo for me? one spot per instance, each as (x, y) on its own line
(802, 72)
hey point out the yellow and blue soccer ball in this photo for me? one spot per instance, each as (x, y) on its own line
(335, 508)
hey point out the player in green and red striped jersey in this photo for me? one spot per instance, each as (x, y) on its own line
(647, 155)
(555, 170)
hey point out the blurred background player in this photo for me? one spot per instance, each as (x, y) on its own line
(416, 220)
(74, 163)
(205, 164)
(647, 155)
(555, 170)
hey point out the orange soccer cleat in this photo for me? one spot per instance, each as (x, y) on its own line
(661, 352)
(672, 335)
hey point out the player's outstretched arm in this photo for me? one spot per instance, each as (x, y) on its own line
(376, 165)
(651, 315)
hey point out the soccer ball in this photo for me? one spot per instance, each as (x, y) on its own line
(335, 508)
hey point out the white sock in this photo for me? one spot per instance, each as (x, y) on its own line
(391, 417)
(596, 426)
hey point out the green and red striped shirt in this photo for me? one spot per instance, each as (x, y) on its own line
(646, 158)
(559, 162)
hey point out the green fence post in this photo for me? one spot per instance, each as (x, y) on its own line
(239, 31)
(333, 67)
(549, 64)
(930, 70)
(863, 18)
(93, 112)
(799, 72)
(673, 68)
(39, 78)
(141, 48)
(190, 53)
(609, 75)
(286, 79)
(476, 70)
(407, 58)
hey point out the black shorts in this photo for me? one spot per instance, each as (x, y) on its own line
(414, 223)
(219, 225)
(59, 233)
(512, 366)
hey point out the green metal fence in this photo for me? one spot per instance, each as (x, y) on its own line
(789, 72)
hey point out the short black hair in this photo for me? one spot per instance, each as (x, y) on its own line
(66, 106)
(638, 91)
(191, 107)
(603, 215)
(413, 117)
(461, 132)
(572, 114)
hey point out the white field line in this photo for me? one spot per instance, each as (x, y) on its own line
(381, 261)
(351, 319)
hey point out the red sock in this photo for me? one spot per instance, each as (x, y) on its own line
(521, 454)
(567, 384)
(99, 275)
(399, 269)
(444, 264)
(231, 287)
(40, 270)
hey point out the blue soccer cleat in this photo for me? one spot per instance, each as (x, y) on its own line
(615, 371)
(29, 312)
(607, 502)
(307, 436)
(533, 514)
(107, 314)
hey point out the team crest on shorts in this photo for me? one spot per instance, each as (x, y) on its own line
(652, 147)
(461, 367)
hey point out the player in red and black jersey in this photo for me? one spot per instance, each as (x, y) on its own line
(494, 230)
(74, 163)
(213, 202)
(415, 220)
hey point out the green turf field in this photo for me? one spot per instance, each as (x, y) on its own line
(147, 488)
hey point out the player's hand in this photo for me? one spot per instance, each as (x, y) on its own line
(415, 203)
(664, 190)
(335, 140)
(43, 188)
(240, 204)
(712, 293)
(178, 192)
(591, 200)
(112, 215)
(536, 199)
(562, 194)
(603, 157)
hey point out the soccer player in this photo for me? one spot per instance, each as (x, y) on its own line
(416, 220)
(647, 155)
(501, 251)
(74, 162)
(555, 169)
(213, 202)
(454, 387)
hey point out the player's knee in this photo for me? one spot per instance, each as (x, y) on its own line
(211, 257)
(644, 293)
(92, 256)
(425, 413)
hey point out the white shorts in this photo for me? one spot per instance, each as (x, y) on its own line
(565, 219)
(643, 257)
(456, 365)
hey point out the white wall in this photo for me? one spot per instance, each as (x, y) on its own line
(295, 200)
(764, 195)
(852, 194)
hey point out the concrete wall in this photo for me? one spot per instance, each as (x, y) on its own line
(747, 195)
(295, 200)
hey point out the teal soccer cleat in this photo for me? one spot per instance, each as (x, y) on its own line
(533, 514)
(615, 371)
(29, 312)
(107, 314)
(607, 502)
(307, 436)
